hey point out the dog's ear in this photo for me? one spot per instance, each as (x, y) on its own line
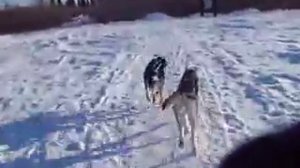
(163, 106)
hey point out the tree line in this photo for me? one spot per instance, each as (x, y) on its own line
(80, 3)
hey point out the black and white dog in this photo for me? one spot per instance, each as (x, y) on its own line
(154, 79)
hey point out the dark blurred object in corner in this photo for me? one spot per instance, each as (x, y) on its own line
(274, 150)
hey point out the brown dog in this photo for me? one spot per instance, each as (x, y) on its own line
(184, 102)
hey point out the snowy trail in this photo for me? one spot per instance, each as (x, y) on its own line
(74, 97)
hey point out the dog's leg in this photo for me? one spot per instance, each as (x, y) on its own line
(147, 92)
(161, 93)
(191, 111)
(192, 120)
(176, 111)
(173, 99)
(147, 95)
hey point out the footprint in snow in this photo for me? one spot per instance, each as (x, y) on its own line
(232, 121)
(75, 146)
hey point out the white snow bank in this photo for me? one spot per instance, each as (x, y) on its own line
(157, 17)
(79, 20)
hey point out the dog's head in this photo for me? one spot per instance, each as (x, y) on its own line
(162, 61)
(189, 82)
(189, 75)
(156, 91)
(158, 66)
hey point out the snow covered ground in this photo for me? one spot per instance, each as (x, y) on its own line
(74, 97)
(12, 3)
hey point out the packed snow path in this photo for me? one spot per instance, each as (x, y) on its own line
(74, 97)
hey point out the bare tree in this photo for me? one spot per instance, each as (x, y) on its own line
(82, 3)
(59, 3)
(202, 6)
(52, 2)
(70, 3)
(6, 6)
(92, 2)
(215, 7)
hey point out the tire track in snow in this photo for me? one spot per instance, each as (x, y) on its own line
(237, 74)
(123, 65)
(156, 132)
(211, 136)
(236, 79)
(106, 75)
(118, 69)
(234, 128)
